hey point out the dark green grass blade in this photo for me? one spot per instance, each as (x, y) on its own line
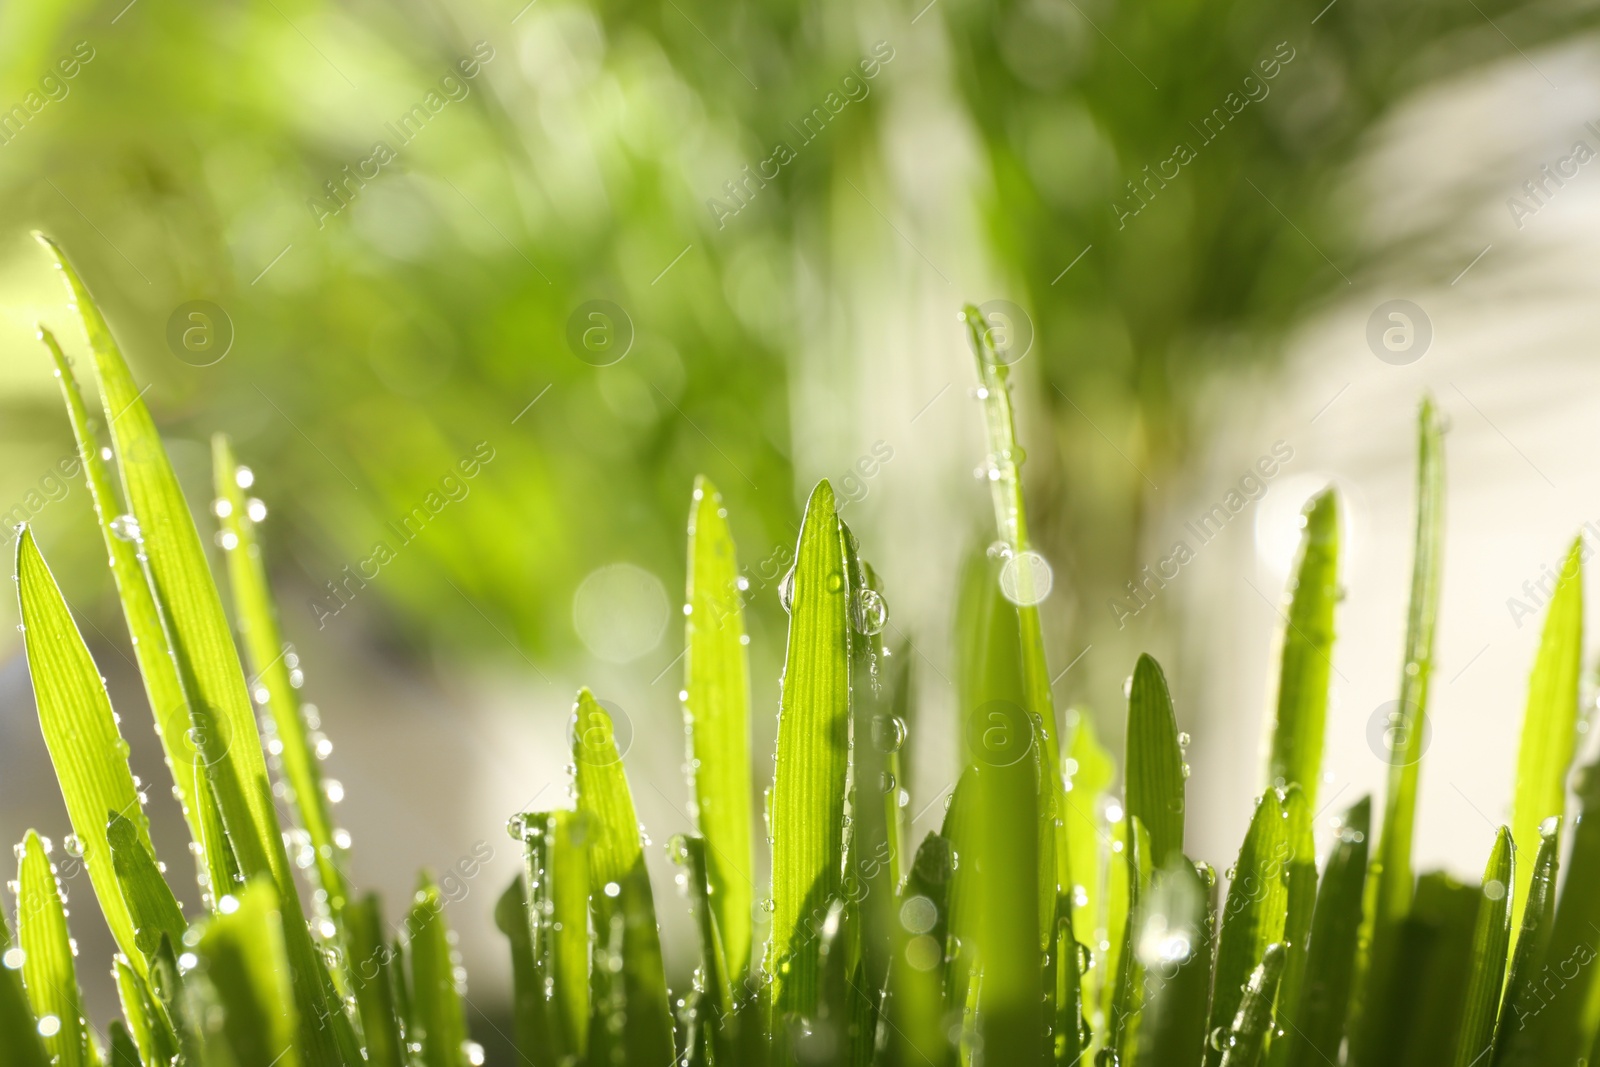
(808, 787)
(371, 980)
(1566, 1029)
(1491, 937)
(150, 901)
(1154, 768)
(147, 1019)
(1175, 945)
(150, 647)
(270, 660)
(80, 731)
(1128, 994)
(48, 971)
(1255, 914)
(19, 1037)
(246, 964)
(1550, 726)
(620, 902)
(124, 1053)
(1307, 658)
(438, 1023)
(717, 714)
(1435, 980)
(712, 1009)
(1302, 861)
(1245, 1042)
(1323, 1004)
(916, 1035)
(1526, 979)
(528, 1017)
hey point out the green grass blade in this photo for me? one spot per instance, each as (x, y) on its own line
(1174, 944)
(1550, 726)
(960, 828)
(916, 975)
(150, 647)
(20, 1045)
(81, 734)
(717, 714)
(1127, 995)
(1436, 971)
(246, 964)
(48, 971)
(1307, 657)
(271, 662)
(147, 1019)
(557, 872)
(528, 1016)
(711, 1012)
(808, 787)
(1491, 937)
(1255, 914)
(1524, 996)
(1302, 861)
(372, 981)
(438, 1019)
(1246, 1040)
(619, 898)
(222, 874)
(1566, 1029)
(150, 901)
(1087, 772)
(124, 1053)
(1154, 769)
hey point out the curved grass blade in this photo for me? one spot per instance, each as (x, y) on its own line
(80, 731)
(710, 1012)
(438, 1020)
(1255, 914)
(1246, 1041)
(48, 972)
(20, 1046)
(808, 787)
(621, 908)
(372, 981)
(148, 1021)
(717, 715)
(1155, 783)
(246, 964)
(1491, 937)
(271, 660)
(1307, 659)
(150, 648)
(1174, 944)
(1323, 1004)
(1302, 862)
(1523, 999)
(150, 901)
(1550, 726)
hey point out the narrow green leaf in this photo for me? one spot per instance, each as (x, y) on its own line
(438, 1021)
(271, 660)
(1302, 863)
(124, 1053)
(1088, 772)
(1491, 937)
(222, 874)
(916, 974)
(557, 872)
(246, 963)
(19, 1036)
(1550, 725)
(147, 1019)
(1524, 993)
(150, 901)
(371, 969)
(1246, 1041)
(621, 909)
(1154, 790)
(1254, 917)
(48, 971)
(1127, 996)
(717, 715)
(1571, 1020)
(1436, 970)
(711, 1011)
(528, 1016)
(80, 731)
(808, 788)
(1175, 942)
(960, 828)
(1307, 656)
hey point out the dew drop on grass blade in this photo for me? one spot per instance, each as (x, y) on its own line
(1491, 937)
(621, 908)
(247, 967)
(1307, 654)
(1254, 916)
(48, 971)
(1154, 792)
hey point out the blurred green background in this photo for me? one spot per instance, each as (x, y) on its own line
(398, 219)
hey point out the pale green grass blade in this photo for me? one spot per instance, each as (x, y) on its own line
(1307, 659)
(1524, 996)
(80, 731)
(557, 871)
(717, 714)
(20, 1045)
(1155, 784)
(1302, 864)
(619, 898)
(150, 647)
(372, 981)
(271, 662)
(1128, 994)
(1246, 1039)
(960, 828)
(1175, 946)
(438, 1019)
(48, 971)
(1255, 914)
(1550, 725)
(1490, 940)
(147, 1019)
(222, 874)
(711, 1010)
(245, 962)
(808, 787)
(1087, 772)
(150, 901)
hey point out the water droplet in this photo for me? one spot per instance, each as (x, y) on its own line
(49, 1026)
(13, 959)
(869, 612)
(244, 477)
(786, 591)
(1550, 827)
(227, 540)
(125, 528)
(222, 507)
(256, 509)
(1183, 739)
(613, 889)
(1494, 889)
(1221, 1038)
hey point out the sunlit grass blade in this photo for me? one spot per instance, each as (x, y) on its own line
(1302, 864)
(150, 901)
(245, 962)
(80, 731)
(620, 900)
(150, 647)
(1307, 658)
(1491, 937)
(1246, 1040)
(806, 818)
(717, 714)
(438, 1023)
(20, 1046)
(148, 1021)
(372, 981)
(1088, 771)
(1128, 993)
(1550, 725)
(557, 873)
(1524, 996)
(272, 662)
(960, 828)
(222, 873)
(1154, 768)
(48, 971)
(916, 974)
(1255, 914)
(1175, 943)
(710, 1012)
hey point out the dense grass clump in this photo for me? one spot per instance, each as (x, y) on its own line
(1047, 922)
